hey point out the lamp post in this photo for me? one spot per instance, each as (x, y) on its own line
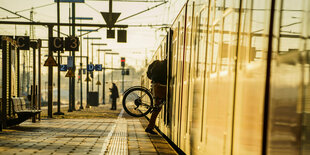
(81, 54)
(87, 86)
(98, 44)
(112, 53)
(58, 71)
(92, 60)
(103, 74)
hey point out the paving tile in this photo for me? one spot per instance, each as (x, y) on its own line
(80, 136)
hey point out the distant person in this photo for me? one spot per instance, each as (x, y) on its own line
(157, 72)
(114, 95)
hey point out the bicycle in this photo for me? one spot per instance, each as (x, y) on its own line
(138, 101)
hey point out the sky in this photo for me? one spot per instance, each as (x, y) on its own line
(141, 41)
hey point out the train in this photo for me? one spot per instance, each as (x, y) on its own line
(237, 77)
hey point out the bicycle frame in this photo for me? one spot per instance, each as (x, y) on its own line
(138, 87)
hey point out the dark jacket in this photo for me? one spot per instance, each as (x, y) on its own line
(157, 71)
(114, 91)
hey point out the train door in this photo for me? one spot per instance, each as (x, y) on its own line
(219, 88)
(287, 131)
(163, 113)
(167, 108)
(305, 132)
(170, 72)
(203, 131)
(226, 73)
(199, 75)
(182, 62)
(185, 94)
(250, 79)
(173, 79)
(177, 75)
(179, 82)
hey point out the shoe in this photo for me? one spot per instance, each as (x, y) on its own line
(150, 131)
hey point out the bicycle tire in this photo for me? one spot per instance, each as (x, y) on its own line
(137, 101)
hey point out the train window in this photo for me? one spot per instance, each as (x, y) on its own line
(196, 43)
(176, 62)
(215, 46)
(215, 39)
(14, 71)
(164, 55)
(219, 6)
(210, 38)
(290, 28)
(180, 75)
(202, 29)
(173, 76)
(201, 44)
(228, 42)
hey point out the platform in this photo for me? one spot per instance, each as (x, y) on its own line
(103, 133)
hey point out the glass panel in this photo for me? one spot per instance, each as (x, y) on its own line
(305, 145)
(217, 111)
(251, 77)
(25, 72)
(288, 86)
(215, 47)
(200, 49)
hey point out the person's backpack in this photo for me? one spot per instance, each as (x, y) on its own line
(157, 71)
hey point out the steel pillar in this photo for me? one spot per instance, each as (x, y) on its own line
(50, 77)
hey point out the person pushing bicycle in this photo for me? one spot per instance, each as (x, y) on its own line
(157, 72)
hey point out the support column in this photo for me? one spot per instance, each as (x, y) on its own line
(81, 83)
(33, 96)
(92, 62)
(87, 74)
(9, 86)
(70, 92)
(50, 77)
(4, 84)
(98, 73)
(39, 77)
(103, 86)
(87, 80)
(18, 72)
(73, 54)
(58, 71)
(123, 74)
(103, 81)
(112, 70)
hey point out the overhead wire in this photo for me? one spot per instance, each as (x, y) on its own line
(7, 17)
(125, 17)
(92, 7)
(27, 18)
(35, 7)
(154, 25)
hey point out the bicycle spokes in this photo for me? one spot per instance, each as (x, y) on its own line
(137, 101)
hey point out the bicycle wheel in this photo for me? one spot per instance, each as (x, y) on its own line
(137, 101)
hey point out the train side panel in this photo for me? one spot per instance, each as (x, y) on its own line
(288, 127)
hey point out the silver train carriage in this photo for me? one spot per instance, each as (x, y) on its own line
(238, 77)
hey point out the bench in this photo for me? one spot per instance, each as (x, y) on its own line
(20, 107)
(22, 110)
